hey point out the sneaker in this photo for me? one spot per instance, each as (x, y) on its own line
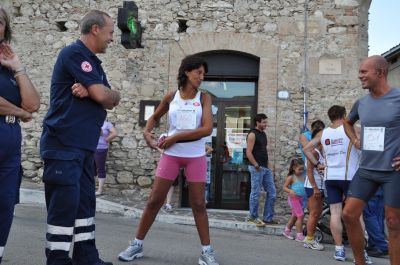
(299, 237)
(168, 207)
(271, 222)
(313, 244)
(286, 233)
(373, 252)
(207, 258)
(367, 259)
(133, 251)
(256, 221)
(340, 255)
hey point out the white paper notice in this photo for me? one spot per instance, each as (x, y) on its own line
(148, 111)
(374, 139)
(186, 119)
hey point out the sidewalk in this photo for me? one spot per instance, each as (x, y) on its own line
(222, 219)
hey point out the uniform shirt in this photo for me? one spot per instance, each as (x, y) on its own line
(9, 89)
(341, 157)
(260, 147)
(74, 121)
(380, 129)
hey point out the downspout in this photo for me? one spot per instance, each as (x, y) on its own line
(305, 77)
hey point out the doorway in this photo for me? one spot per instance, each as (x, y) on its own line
(228, 178)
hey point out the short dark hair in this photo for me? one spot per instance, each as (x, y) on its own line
(381, 64)
(7, 30)
(317, 125)
(336, 112)
(93, 17)
(188, 64)
(259, 117)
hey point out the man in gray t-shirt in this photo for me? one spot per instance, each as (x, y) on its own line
(379, 114)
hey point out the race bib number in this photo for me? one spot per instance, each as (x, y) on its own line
(186, 119)
(374, 139)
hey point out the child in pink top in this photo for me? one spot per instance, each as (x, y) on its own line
(294, 186)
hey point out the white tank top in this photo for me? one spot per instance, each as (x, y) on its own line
(341, 157)
(185, 115)
(319, 177)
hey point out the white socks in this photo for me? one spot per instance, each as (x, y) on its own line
(206, 248)
(138, 241)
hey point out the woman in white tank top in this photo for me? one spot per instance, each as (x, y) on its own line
(190, 120)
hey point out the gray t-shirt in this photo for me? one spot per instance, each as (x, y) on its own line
(380, 129)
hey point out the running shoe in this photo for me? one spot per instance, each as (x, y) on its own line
(286, 233)
(255, 221)
(133, 251)
(299, 237)
(208, 258)
(367, 259)
(168, 207)
(313, 244)
(340, 255)
(271, 222)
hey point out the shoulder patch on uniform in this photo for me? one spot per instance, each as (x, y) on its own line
(86, 66)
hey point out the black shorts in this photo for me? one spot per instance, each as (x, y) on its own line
(336, 190)
(310, 192)
(366, 182)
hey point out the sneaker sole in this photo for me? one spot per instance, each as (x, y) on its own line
(311, 247)
(202, 262)
(339, 258)
(258, 225)
(288, 237)
(136, 256)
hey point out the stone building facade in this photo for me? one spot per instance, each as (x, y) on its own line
(293, 51)
(393, 57)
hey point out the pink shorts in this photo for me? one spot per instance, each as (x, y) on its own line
(195, 167)
(296, 203)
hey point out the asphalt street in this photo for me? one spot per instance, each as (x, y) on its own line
(165, 244)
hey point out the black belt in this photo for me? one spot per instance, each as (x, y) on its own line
(188, 141)
(10, 119)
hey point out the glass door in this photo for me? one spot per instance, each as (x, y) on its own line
(235, 178)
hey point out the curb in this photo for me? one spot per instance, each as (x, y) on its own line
(104, 206)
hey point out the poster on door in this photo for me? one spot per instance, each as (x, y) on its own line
(235, 139)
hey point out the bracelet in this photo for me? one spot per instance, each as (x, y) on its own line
(19, 74)
(21, 69)
(318, 163)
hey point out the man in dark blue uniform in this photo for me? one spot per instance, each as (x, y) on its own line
(79, 95)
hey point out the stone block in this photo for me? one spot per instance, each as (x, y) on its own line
(124, 177)
(144, 181)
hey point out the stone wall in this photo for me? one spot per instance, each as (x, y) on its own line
(273, 30)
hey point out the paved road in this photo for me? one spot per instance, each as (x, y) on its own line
(166, 244)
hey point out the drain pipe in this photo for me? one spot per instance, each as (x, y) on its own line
(305, 77)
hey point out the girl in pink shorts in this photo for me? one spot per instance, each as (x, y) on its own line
(294, 186)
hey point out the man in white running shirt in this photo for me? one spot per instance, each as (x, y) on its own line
(341, 163)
